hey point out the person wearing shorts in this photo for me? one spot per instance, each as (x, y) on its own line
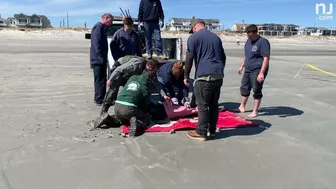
(255, 65)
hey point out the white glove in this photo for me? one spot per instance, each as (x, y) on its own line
(161, 24)
(186, 102)
(140, 26)
(174, 101)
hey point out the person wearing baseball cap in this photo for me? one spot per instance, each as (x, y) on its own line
(206, 50)
(121, 47)
(171, 75)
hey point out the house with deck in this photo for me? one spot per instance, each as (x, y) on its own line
(23, 20)
(3, 22)
(184, 24)
(272, 29)
(317, 31)
(239, 28)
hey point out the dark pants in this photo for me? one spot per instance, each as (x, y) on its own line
(112, 93)
(125, 113)
(193, 100)
(249, 81)
(153, 29)
(100, 78)
(207, 94)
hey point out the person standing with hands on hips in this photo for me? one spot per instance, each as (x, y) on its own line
(256, 64)
(151, 18)
(206, 49)
(98, 56)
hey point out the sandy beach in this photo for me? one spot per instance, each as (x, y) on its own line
(46, 101)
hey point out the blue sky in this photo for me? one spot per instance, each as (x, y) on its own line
(300, 12)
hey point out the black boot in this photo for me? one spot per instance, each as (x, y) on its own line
(100, 121)
(133, 127)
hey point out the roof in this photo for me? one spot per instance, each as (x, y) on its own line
(2, 19)
(21, 15)
(43, 17)
(269, 24)
(207, 20)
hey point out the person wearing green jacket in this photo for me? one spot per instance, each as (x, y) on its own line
(132, 104)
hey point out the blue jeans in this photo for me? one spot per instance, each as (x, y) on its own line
(153, 29)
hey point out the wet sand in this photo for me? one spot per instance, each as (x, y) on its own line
(46, 98)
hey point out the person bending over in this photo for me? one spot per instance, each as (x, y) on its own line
(132, 104)
(124, 68)
(169, 76)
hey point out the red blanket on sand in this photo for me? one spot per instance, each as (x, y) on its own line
(226, 119)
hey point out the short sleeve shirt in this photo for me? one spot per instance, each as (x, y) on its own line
(255, 52)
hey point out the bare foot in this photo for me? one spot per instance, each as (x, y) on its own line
(241, 109)
(253, 115)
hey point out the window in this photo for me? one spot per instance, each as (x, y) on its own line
(22, 21)
(35, 21)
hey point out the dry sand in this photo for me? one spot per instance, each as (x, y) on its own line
(46, 100)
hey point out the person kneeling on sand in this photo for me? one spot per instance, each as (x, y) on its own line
(123, 69)
(132, 105)
(169, 76)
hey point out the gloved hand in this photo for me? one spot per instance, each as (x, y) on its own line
(161, 23)
(186, 102)
(140, 26)
(174, 101)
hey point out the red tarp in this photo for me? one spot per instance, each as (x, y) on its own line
(226, 119)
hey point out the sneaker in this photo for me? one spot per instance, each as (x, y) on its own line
(161, 57)
(133, 127)
(194, 135)
(148, 56)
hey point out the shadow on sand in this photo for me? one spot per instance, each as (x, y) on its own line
(246, 131)
(281, 111)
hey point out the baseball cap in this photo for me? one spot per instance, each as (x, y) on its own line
(194, 22)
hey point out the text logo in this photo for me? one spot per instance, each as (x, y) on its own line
(324, 12)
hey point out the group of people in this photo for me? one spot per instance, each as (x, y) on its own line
(138, 75)
(125, 41)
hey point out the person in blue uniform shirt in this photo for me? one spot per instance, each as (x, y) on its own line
(205, 49)
(255, 65)
(98, 56)
(171, 75)
(125, 41)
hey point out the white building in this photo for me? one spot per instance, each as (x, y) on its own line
(184, 24)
